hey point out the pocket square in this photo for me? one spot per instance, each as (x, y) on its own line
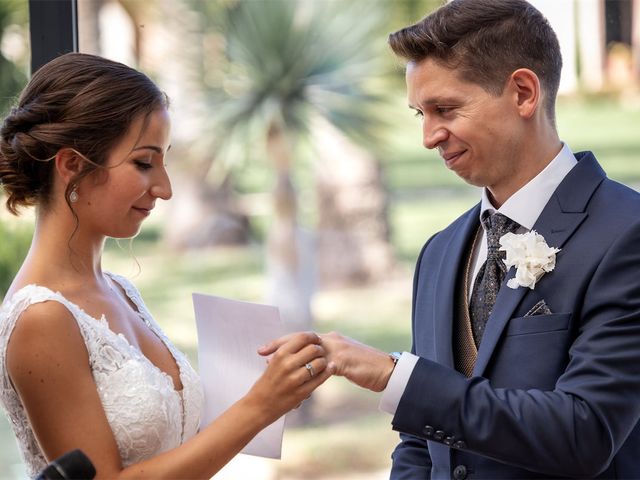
(540, 308)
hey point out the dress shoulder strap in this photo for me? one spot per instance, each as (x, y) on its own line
(32, 294)
(134, 295)
(23, 299)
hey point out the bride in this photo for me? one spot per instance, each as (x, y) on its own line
(83, 364)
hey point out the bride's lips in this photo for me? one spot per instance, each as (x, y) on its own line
(143, 211)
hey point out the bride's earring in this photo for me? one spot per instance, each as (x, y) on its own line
(73, 196)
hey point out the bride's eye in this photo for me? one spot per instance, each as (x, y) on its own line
(142, 165)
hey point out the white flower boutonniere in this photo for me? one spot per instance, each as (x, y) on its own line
(531, 256)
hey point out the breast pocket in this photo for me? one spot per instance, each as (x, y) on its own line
(532, 353)
(538, 324)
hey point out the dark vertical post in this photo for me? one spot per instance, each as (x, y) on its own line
(54, 29)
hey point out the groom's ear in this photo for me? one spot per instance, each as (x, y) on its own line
(68, 164)
(527, 92)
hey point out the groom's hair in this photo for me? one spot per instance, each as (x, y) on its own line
(485, 41)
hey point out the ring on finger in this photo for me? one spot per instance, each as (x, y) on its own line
(310, 370)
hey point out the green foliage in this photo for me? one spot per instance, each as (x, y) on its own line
(608, 128)
(14, 244)
(11, 82)
(12, 78)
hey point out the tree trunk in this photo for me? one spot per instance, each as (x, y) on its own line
(353, 228)
(89, 26)
(290, 254)
(290, 265)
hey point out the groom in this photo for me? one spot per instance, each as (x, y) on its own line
(527, 374)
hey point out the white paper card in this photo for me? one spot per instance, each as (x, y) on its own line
(229, 334)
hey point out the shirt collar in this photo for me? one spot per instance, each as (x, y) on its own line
(526, 205)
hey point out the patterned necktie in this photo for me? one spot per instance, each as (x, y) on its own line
(491, 273)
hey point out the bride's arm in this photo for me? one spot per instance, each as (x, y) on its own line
(48, 364)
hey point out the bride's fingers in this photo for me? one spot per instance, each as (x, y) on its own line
(311, 370)
(312, 383)
(272, 346)
(306, 354)
(289, 344)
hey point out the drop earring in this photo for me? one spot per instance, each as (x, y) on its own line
(73, 196)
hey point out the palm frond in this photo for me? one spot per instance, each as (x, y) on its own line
(289, 60)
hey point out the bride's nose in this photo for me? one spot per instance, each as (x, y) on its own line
(161, 187)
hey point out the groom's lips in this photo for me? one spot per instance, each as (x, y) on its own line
(451, 157)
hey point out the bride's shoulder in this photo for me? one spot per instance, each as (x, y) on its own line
(44, 348)
(40, 329)
(32, 311)
(39, 308)
(21, 297)
(29, 287)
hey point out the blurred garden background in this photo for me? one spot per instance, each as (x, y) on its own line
(300, 180)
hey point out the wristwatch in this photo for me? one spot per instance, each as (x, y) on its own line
(395, 356)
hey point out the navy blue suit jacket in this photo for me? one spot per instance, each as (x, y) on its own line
(553, 395)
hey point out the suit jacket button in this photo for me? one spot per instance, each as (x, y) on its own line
(438, 436)
(448, 441)
(459, 444)
(428, 430)
(460, 472)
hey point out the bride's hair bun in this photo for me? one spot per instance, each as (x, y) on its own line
(78, 101)
(25, 166)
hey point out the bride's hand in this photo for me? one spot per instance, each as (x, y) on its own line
(296, 367)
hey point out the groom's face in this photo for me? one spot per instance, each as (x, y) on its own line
(475, 132)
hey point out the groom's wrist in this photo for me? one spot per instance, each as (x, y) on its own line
(395, 356)
(387, 364)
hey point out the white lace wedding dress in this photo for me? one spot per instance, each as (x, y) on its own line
(146, 414)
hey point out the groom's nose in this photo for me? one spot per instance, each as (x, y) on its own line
(432, 134)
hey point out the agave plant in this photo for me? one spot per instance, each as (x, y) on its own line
(286, 64)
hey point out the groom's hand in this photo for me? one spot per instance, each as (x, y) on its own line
(361, 364)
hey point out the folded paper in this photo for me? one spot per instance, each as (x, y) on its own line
(229, 333)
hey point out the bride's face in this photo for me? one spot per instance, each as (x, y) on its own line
(115, 201)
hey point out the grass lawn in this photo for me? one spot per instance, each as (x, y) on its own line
(347, 434)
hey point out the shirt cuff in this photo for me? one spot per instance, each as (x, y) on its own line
(397, 383)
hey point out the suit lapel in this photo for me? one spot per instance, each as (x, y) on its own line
(563, 214)
(446, 291)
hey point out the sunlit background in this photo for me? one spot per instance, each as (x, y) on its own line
(299, 177)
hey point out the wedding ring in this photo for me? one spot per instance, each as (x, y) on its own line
(309, 367)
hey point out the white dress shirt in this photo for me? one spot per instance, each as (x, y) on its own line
(524, 207)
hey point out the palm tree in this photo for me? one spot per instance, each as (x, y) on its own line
(290, 66)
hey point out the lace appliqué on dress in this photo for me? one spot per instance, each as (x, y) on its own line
(146, 414)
